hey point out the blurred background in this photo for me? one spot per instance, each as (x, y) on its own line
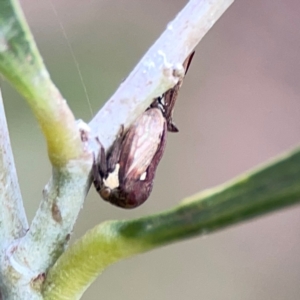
(239, 106)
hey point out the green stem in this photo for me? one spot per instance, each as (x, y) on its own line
(258, 192)
(23, 67)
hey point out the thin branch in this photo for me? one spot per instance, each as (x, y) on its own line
(62, 200)
(154, 73)
(13, 223)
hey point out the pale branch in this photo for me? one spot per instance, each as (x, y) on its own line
(154, 73)
(28, 258)
(50, 230)
(13, 223)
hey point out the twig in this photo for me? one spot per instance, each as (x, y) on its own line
(13, 223)
(154, 73)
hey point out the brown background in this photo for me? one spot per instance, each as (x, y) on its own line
(238, 107)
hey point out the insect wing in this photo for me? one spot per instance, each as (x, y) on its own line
(141, 144)
(171, 95)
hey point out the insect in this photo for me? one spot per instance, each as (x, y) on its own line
(124, 176)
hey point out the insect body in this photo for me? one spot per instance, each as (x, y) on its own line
(124, 176)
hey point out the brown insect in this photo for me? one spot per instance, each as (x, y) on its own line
(124, 176)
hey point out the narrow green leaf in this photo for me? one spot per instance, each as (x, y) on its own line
(273, 186)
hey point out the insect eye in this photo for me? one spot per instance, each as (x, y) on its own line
(105, 193)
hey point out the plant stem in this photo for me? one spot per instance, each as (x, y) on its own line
(23, 67)
(154, 75)
(13, 223)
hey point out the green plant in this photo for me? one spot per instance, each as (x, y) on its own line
(34, 263)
